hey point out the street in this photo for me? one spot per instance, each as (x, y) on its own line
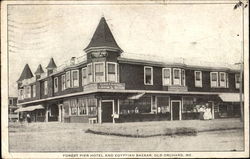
(72, 137)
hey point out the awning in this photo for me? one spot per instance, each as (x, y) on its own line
(136, 96)
(231, 97)
(29, 108)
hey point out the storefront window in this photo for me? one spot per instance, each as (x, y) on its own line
(163, 105)
(189, 105)
(92, 106)
(82, 103)
(73, 107)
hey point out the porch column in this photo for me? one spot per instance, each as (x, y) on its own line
(46, 113)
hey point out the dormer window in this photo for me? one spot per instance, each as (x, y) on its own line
(177, 76)
(148, 75)
(198, 78)
(166, 76)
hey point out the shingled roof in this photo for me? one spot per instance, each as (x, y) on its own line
(26, 74)
(51, 64)
(103, 37)
(39, 69)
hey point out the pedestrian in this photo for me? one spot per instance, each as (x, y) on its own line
(28, 118)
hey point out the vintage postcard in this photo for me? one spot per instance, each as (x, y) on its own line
(125, 79)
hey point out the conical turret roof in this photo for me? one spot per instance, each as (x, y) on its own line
(103, 37)
(26, 74)
(51, 64)
(39, 70)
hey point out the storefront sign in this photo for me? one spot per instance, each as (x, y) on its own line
(96, 86)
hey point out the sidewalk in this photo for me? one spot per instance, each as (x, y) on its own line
(160, 128)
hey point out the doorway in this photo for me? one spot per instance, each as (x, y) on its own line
(107, 111)
(175, 110)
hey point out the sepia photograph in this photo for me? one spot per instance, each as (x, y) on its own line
(125, 79)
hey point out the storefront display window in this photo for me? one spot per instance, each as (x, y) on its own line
(73, 106)
(92, 106)
(163, 105)
(129, 106)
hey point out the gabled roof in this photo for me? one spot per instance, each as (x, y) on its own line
(51, 64)
(26, 74)
(103, 37)
(39, 69)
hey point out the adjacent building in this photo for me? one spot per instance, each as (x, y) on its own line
(12, 107)
(104, 86)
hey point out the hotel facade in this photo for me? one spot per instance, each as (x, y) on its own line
(103, 86)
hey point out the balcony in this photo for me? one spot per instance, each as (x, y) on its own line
(105, 85)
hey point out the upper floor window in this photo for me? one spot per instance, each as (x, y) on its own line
(183, 77)
(177, 76)
(223, 79)
(75, 78)
(237, 80)
(111, 72)
(68, 79)
(214, 79)
(84, 76)
(198, 78)
(148, 75)
(56, 84)
(34, 90)
(63, 82)
(166, 76)
(27, 92)
(90, 74)
(99, 72)
(20, 94)
(45, 87)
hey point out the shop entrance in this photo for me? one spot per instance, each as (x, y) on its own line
(175, 109)
(107, 111)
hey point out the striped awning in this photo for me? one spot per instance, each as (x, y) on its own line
(29, 108)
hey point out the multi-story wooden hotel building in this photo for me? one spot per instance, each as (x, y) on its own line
(106, 87)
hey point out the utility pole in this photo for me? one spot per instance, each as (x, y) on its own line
(243, 6)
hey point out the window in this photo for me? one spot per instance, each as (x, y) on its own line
(84, 76)
(27, 92)
(166, 76)
(163, 104)
(55, 84)
(183, 77)
(214, 79)
(34, 90)
(227, 81)
(20, 94)
(10, 102)
(45, 87)
(99, 72)
(198, 78)
(148, 75)
(82, 109)
(111, 72)
(73, 107)
(92, 105)
(75, 78)
(177, 76)
(90, 74)
(237, 80)
(222, 79)
(63, 82)
(68, 79)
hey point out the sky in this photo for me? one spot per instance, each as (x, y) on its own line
(196, 32)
